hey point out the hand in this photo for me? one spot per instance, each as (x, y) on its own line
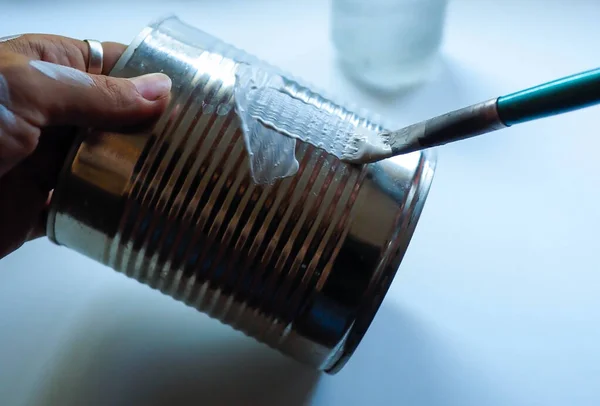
(44, 95)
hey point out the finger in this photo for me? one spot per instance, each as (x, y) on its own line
(62, 50)
(18, 139)
(24, 217)
(9, 37)
(86, 100)
(19, 213)
(38, 230)
(46, 162)
(27, 189)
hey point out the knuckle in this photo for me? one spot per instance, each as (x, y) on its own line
(12, 70)
(19, 91)
(21, 44)
(115, 92)
(28, 139)
(19, 144)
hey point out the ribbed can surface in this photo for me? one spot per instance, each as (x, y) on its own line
(301, 264)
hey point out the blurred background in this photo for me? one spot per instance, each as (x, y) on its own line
(497, 300)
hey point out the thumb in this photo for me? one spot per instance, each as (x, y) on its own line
(112, 103)
(65, 96)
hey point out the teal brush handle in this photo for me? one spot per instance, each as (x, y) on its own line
(556, 97)
(552, 98)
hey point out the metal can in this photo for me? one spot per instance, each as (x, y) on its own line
(302, 264)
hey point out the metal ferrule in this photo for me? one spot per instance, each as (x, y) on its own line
(457, 125)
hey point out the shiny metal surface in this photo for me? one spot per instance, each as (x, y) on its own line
(96, 57)
(301, 265)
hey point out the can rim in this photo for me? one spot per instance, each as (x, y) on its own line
(138, 40)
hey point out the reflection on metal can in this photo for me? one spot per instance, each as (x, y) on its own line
(301, 265)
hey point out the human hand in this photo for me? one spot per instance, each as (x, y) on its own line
(44, 95)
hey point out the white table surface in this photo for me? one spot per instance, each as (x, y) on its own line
(497, 301)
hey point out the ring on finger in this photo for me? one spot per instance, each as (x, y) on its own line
(95, 57)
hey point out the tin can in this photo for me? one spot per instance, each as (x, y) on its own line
(301, 264)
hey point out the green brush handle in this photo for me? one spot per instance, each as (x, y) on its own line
(552, 98)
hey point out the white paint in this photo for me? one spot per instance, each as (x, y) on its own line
(8, 121)
(272, 119)
(7, 118)
(4, 92)
(10, 37)
(63, 73)
(271, 154)
(407, 136)
(365, 146)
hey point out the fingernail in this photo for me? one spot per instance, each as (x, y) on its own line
(153, 86)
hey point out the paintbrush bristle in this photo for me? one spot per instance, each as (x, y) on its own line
(365, 146)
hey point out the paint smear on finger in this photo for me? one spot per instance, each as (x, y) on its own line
(7, 118)
(4, 93)
(9, 145)
(8, 121)
(62, 73)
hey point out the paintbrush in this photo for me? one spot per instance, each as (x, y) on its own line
(559, 96)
